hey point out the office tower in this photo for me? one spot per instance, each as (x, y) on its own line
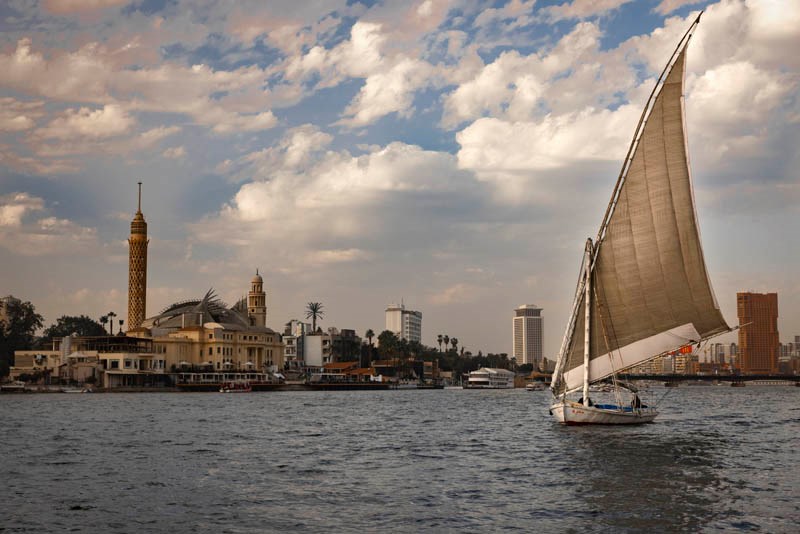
(528, 335)
(406, 324)
(758, 332)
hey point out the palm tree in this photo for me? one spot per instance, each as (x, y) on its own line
(121, 322)
(104, 320)
(454, 342)
(369, 334)
(111, 316)
(314, 310)
(439, 339)
(446, 341)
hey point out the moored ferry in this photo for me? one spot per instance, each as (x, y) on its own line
(490, 378)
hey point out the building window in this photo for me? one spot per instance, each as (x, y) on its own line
(210, 336)
(210, 351)
(115, 364)
(218, 350)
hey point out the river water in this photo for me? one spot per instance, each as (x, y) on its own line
(716, 459)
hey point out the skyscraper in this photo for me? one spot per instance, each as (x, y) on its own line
(758, 332)
(528, 335)
(406, 324)
(137, 268)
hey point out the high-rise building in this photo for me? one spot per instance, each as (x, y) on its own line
(257, 302)
(758, 332)
(406, 324)
(528, 335)
(137, 268)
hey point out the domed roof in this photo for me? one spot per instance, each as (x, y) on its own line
(257, 279)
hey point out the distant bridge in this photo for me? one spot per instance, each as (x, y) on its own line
(711, 378)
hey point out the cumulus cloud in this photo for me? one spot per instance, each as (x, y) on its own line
(16, 115)
(668, 6)
(581, 9)
(388, 92)
(109, 121)
(25, 233)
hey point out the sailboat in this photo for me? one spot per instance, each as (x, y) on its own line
(643, 290)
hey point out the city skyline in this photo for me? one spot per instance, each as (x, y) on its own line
(455, 154)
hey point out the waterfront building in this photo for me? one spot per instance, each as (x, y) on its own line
(137, 268)
(321, 348)
(36, 362)
(758, 332)
(317, 349)
(293, 343)
(528, 330)
(206, 334)
(406, 324)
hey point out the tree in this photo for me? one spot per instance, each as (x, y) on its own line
(18, 325)
(121, 322)
(66, 325)
(388, 344)
(104, 322)
(446, 341)
(369, 334)
(111, 316)
(439, 338)
(314, 311)
(454, 342)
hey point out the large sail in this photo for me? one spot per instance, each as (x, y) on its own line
(651, 291)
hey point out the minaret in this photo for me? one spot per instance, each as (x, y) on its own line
(137, 268)
(257, 302)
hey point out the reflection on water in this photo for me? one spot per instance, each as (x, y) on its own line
(398, 461)
(640, 480)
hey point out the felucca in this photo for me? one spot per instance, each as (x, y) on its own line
(644, 289)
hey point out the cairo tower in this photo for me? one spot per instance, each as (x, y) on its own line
(137, 268)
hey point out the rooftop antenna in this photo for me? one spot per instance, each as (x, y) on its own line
(139, 210)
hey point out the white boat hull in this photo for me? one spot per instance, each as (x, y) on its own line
(572, 413)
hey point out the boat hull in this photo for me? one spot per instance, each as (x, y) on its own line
(572, 413)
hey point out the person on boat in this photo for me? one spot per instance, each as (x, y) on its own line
(636, 403)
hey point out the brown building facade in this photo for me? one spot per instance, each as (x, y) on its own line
(758, 332)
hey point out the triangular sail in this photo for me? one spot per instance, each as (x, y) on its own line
(651, 291)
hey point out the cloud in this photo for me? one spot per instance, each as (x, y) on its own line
(388, 92)
(73, 6)
(349, 204)
(582, 9)
(16, 115)
(109, 121)
(14, 207)
(668, 6)
(10, 159)
(25, 234)
(176, 152)
(225, 101)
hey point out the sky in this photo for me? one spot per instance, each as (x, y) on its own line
(452, 155)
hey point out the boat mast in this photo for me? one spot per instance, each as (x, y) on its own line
(587, 320)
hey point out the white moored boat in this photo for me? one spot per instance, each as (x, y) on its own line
(490, 378)
(643, 290)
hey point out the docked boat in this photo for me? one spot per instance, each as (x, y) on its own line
(236, 387)
(534, 386)
(490, 378)
(643, 290)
